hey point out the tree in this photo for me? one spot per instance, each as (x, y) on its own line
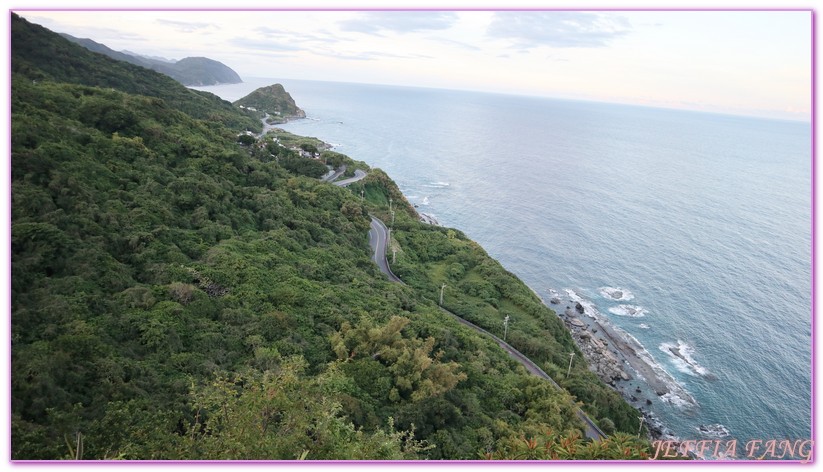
(246, 140)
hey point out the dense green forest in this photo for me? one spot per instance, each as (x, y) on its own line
(177, 294)
(190, 71)
(274, 100)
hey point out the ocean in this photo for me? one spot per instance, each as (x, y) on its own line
(702, 223)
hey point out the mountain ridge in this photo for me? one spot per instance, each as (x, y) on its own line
(189, 71)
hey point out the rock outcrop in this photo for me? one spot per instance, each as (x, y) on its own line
(601, 360)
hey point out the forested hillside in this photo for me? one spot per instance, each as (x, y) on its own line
(190, 71)
(275, 101)
(178, 295)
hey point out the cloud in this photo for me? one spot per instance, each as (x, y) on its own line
(399, 21)
(187, 27)
(267, 45)
(318, 36)
(369, 55)
(459, 44)
(561, 29)
(95, 33)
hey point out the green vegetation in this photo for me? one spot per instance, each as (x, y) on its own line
(179, 295)
(273, 100)
(40, 55)
(188, 71)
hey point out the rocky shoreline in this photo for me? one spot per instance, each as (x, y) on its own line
(615, 359)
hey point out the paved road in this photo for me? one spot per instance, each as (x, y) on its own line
(378, 234)
(358, 174)
(378, 240)
(592, 431)
(332, 176)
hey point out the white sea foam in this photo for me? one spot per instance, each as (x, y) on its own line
(685, 361)
(677, 395)
(617, 294)
(437, 184)
(643, 326)
(632, 311)
(425, 201)
(714, 431)
(588, 307)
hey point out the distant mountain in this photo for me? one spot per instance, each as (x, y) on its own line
(200, 71)
(156, 58)
(273, 100)
(191, 71)
(41, 55)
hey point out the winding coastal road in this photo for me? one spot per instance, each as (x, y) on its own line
(378, 237)
(333, 175)
(358, 175)
(379, 241)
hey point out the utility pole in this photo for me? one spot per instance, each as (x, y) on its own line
(571, 358)
(393, 255)
(505, 327)
(390, 204)
(392, 217)
(361, 194)
(642, 419)
(441, 294)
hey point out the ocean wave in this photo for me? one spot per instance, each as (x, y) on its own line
(681, 355)
(588, 307)
(616, 294)
(632, 311)
(643, 326)
(677, 394)
(425, 201)
(437, 184)
(714, 431)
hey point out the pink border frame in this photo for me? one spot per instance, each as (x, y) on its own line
(813, 126)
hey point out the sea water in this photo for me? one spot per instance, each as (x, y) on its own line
(685, 230)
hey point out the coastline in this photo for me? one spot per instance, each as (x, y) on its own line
(613, 355)
(621, 362)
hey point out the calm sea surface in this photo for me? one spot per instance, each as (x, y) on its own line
(702, 221)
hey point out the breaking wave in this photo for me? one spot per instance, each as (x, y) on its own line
(681, 355)
(632, 311)
(714, 431)
(616, 294)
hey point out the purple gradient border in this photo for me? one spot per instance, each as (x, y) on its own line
(746, 462)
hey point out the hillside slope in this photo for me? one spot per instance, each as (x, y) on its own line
(176, 295)
(273, 100)
(41, 55)
(189, 71)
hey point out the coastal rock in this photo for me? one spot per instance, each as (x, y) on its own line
(579, 308)
(555, 301)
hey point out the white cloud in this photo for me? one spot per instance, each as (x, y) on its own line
(562, 29)
(399, 21)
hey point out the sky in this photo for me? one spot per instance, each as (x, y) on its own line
(739, 62)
